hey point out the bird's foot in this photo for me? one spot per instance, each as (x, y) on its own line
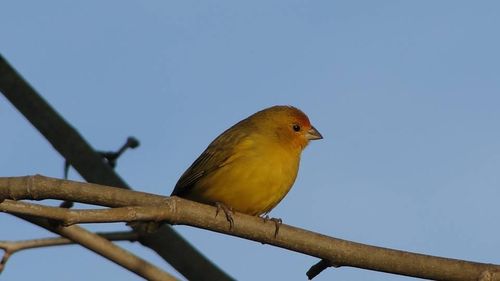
(277, 223)
(227, 211)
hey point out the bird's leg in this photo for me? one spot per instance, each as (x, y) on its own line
(277, 223)
(227, 211)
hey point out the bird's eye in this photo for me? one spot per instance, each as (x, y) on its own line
(296, 127)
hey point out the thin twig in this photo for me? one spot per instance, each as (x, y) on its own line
(103, 247)
(11, 247)
(318, 268)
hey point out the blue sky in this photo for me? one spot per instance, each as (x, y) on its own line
(405, 93)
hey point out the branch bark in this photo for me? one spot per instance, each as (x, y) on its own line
(89, 164)
(178, 211)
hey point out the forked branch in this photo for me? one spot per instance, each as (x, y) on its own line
(11, 247)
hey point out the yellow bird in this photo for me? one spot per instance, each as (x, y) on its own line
(251, 166)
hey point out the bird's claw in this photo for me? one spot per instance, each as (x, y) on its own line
(227, 211)
(277, 223)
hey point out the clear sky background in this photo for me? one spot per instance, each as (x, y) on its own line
(405, 93)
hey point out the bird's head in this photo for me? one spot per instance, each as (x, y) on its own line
(288, 125)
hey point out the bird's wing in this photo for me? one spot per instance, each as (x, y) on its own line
(217, 154)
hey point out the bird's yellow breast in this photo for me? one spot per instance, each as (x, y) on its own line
(253, 179)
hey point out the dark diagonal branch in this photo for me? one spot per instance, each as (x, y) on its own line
(178, 211)
(90, 165)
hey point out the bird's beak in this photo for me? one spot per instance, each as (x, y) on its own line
(313, 134)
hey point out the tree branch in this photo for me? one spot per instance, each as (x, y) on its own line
(116, 254)
(178, 211)
(103, 247)
(77, 151)
(11, 247)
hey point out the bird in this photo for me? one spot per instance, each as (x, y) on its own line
(251, 166)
